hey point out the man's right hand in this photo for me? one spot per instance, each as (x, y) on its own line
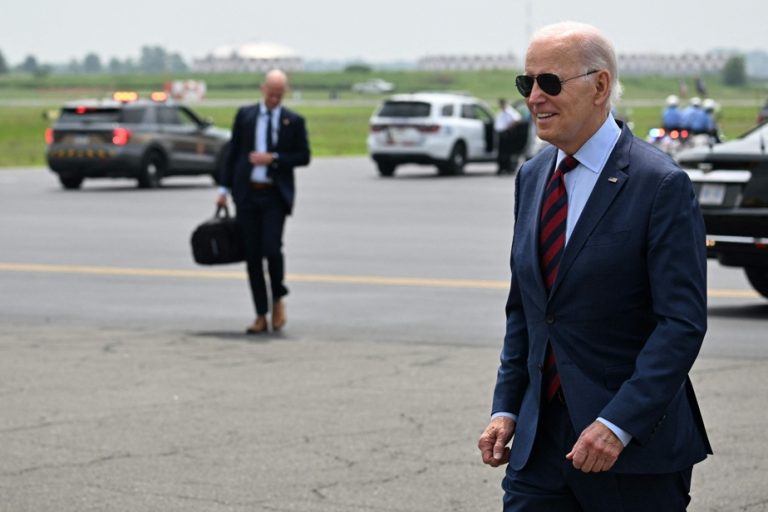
(494, 439)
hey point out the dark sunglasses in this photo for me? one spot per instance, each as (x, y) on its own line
(550, 83)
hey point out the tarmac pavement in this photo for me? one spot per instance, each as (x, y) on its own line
(97, 419)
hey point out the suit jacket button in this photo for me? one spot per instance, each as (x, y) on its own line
(550, 319)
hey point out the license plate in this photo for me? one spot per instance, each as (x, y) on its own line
(712, 194)
(405, 137)
(81, 140)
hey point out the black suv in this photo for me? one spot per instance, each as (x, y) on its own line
(143, 139)
(731, 183)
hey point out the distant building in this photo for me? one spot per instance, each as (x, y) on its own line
(467, 62)
(686, 64)
(249, 57)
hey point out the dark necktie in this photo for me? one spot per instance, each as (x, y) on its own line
(269, 131)
(554, 213)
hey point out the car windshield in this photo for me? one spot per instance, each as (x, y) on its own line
(405, 109)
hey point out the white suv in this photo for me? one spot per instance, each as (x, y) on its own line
(442, 129)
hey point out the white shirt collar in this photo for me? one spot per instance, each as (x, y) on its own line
(275, 111)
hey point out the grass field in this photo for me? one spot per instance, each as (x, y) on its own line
(336, 127)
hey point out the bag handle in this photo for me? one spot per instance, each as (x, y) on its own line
(222, 208)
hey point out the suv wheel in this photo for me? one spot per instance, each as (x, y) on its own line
(758, 278)
(456, 161)
(386, 169)
(71, 182)
(152, 170)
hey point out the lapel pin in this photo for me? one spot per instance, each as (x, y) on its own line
(613, 179)
(286, 122)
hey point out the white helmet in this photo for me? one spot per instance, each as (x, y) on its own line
(709, 105)
(695, 101)
(672, 100)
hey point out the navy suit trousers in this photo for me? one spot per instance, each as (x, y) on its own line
(262, 218)
(549, 482)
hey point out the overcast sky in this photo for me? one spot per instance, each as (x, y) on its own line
(375, 31)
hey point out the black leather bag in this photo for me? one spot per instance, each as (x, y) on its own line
(217, 241)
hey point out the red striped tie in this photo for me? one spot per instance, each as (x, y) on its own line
(554, 213)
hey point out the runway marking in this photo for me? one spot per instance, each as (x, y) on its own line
(223, 274)
(485, 284)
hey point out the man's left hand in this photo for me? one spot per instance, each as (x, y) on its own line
(260, 158)
(596, 449)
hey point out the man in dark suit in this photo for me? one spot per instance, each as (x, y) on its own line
(607, 305)
(268, 142)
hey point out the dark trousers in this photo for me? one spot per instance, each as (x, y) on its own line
(262, 218)
(549, 482)
(504, 158)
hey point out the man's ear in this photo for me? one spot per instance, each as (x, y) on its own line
(602, 87)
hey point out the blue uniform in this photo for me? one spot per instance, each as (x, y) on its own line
(672, 118)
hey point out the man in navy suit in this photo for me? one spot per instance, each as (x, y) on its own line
(268, 142)
(606, 318)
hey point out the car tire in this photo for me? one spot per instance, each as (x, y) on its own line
(71, 182)
(386, 169)
(456, 161)
(152, 170)
(758, 278)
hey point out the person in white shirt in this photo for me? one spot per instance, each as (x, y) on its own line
(505, 120)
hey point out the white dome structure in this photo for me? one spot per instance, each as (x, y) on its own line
(249, 57)
(265, 51)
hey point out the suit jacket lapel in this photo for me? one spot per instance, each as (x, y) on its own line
(282, 126)
(611, 180)
(250, 127)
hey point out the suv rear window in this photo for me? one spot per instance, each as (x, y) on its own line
(102, 115)
(405, 109)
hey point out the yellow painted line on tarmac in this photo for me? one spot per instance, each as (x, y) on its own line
(732, 294)
(486, 284)
(219, 274)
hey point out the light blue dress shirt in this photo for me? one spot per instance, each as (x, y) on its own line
(259, 172)
(579, 183)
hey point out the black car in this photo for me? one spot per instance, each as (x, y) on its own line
(731, 183)
(132, 138)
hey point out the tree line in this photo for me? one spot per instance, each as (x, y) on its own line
(152, 59)
(155, 59)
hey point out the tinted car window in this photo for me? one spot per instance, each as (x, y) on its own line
(91, 115)
(482, 114)
(168, 115)
(447, 111)
(405, 109)
(468, 112)
(132, 115)
(187, 118)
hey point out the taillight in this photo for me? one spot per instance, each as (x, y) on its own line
(121, 136)
(378, 127)
(428, 128)
(49, 135)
